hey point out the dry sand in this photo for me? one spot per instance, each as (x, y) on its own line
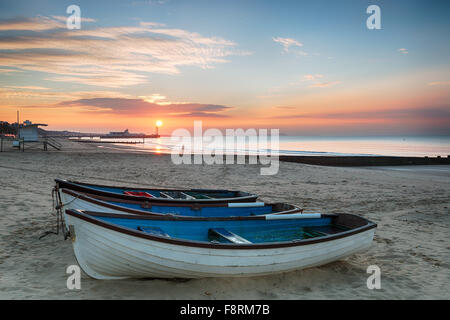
(411, 208)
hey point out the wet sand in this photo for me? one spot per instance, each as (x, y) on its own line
(411, 208)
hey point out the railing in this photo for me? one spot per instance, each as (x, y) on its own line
(52, 142)
(4, 138)
(20, 142)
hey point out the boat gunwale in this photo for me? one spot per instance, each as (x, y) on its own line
(83, 187)
(103, 202)
(89, 216)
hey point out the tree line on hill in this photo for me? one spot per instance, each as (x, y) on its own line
(8, 128)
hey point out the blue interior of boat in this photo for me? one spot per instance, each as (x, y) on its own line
(227, 235)
(254, 231)
(153, 230)
(217, 194)
(157, 194)
(201, 211)
(120, 191)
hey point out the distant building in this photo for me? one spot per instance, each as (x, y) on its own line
(125, 133)
(119, 133)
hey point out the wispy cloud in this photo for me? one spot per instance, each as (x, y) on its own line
(125, 106)
(324, 84)
(287, 43)
(148, 2)
(285, 107)
(311, 77)
(27, 87)
(106, 56)
(64, 19)
(199, 114)
(403, 51)
(154, 98)
(5, 70)
(439, 83)
(25, 94)
(39, 23)
(151, 24)
(442, 113)
(316, 82)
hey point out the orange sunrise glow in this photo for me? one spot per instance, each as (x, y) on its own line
(117, 78)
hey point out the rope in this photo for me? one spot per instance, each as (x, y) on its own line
(58, 206)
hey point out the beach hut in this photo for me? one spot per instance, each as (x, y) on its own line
(29, 131)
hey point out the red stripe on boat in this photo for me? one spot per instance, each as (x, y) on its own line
(138, 194)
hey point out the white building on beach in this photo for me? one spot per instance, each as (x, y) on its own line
(29, 131)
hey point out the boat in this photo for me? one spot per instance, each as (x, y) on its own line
(160, 195)
(112, 246)
(70, 199)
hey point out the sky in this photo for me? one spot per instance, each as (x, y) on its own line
(304, 67)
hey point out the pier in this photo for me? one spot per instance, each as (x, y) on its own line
(130, 136)
(101, 141)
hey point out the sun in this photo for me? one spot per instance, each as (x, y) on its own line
(159, 123)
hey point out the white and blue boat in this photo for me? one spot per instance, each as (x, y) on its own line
(113, 246)
(70, 199)
(160, 195)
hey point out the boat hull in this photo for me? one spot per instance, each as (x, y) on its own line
(72, 200)
(105, 253)
(215, 196)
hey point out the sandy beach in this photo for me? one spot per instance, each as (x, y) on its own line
(409, 204)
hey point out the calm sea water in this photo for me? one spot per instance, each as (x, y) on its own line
(299, 145)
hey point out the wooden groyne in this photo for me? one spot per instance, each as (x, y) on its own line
(349, 161)
(363, 161)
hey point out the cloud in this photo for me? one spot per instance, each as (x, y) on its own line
(285, 107)
(442, 113)
(27, 93)
(403, 50)
(310, 77)
(288, 43)
(109, 103)
(149, 2)
(439, 83)
(324, 84)
(106, 56)
(151, 24)
(305, 81)
(64, 19)
(315, 82)
(130, 106)
(4, 70)
(154, 98)
(39, 23)
(199, 114)
(27, 87)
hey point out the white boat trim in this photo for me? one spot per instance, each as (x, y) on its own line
(245, 204)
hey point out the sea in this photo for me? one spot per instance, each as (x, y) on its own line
(408, 146)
